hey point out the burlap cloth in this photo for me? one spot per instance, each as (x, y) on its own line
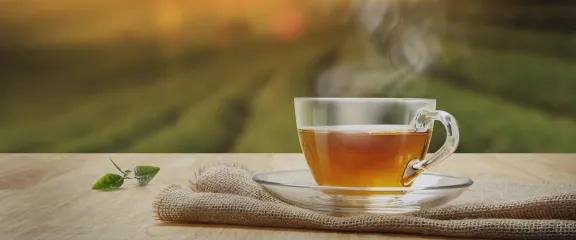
(507, 210)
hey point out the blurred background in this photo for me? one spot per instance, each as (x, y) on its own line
(220, 75)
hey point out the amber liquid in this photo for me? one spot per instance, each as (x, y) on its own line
(361, 157)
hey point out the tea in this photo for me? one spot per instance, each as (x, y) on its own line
(362, 156)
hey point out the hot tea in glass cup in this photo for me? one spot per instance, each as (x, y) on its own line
(371, 142)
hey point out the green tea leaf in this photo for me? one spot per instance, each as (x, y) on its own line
(108, 182)
(144, 174)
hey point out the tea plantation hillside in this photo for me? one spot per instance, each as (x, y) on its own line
(509, 81)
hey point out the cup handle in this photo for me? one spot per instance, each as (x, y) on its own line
(423, 121)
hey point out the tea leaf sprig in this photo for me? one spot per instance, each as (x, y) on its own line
(111, 181)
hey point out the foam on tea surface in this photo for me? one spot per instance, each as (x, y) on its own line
(371, 129)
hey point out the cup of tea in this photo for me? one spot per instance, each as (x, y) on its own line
(371, 142)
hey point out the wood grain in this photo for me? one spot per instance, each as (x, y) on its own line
(48, 196)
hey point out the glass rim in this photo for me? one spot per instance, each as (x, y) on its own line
(467, 182)
(335, 99)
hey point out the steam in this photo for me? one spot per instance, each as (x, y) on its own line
(401, 40)
(375, 14)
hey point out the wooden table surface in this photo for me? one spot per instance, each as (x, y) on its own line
(49, 196)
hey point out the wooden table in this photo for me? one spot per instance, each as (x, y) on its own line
(49, 196)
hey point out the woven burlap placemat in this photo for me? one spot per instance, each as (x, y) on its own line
(508, 210)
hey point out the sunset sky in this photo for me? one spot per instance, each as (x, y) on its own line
(72, 21)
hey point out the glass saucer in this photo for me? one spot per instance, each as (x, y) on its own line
(298, 187)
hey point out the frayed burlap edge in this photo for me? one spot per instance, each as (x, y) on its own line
(160, 198)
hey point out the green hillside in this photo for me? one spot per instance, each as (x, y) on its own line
(506, 78)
